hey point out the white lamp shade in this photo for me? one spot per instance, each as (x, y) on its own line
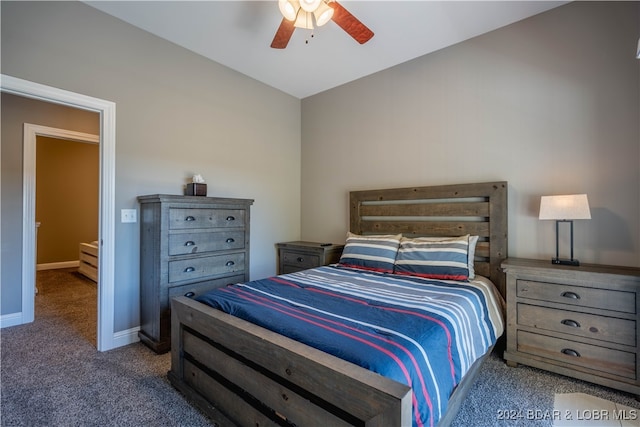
(289, 8)
(638, 50)
(309, 5)
(323, 14)
(571, 206)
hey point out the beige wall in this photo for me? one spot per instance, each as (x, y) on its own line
(67, 196)
(177, 114)
(550, 104)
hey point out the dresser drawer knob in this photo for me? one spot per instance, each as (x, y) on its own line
(571, 323)
(190, 218)
(189, 270)
(571, 295)
(231, 218)
(230, 263)
(300, 259)
(570, 352)
(190, 294)
(230, 240)
(189, 243)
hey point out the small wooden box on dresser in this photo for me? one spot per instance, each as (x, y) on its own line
(583, 322)
(188, 245)
(297, 256)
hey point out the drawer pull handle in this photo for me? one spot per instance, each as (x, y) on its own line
(570, 352)
(571, 295)
(230, 263)
(571, 323)
(189, 270)
(190, 294)
(190, 218)
(230, 240)
(300, 259)
(189, 243)
(231, 218)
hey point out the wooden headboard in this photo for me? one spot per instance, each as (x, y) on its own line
(447, 210)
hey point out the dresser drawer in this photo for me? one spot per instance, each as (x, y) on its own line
(615, 362)
(191, 243)
(299, 260)
(193, 290)
(202, 267)
(191, 218)
(604, 328)
(578, 296)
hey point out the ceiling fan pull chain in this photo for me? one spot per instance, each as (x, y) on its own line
(307, 40)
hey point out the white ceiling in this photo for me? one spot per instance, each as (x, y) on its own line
(238, 34)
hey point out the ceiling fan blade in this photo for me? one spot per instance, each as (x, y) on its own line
(350, 23)
(283, 35)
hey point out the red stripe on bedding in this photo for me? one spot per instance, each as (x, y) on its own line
(404, 311)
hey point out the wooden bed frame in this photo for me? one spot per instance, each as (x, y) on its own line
(241, 374)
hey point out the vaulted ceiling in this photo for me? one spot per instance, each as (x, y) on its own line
(238, 35)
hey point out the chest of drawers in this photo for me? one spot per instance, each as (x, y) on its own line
(188, 245)
(299, 255)
(581, 321)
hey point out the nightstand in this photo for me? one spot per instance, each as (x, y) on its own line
(582, 322)
(296, 256)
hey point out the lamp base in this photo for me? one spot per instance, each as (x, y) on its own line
(559, 261)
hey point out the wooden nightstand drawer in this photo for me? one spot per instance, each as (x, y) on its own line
(604, 328)
(300, 255)
(605, 299)
(300, 260)
(601, 359)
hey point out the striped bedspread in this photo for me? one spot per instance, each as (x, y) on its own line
(421, 332)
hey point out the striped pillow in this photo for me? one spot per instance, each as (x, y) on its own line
(376, 252)
(436, 259)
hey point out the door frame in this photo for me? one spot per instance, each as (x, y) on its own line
(106, 338)
(30, 135)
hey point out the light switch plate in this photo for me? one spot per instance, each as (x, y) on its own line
(128, 215)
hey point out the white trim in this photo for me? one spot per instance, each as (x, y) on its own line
(126, 337)
(12, 319)
(107, 109)
(57, 265)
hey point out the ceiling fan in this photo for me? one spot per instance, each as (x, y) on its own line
(303, 14)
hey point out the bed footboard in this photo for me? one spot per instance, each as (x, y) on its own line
(241, 374)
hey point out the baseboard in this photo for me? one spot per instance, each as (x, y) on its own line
(56, 265)
(126, 337)
(12, 319)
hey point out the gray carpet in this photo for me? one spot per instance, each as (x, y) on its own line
(52, 374)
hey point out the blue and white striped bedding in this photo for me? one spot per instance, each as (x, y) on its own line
(425, 333)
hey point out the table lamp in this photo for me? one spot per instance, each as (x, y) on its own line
(564, 208)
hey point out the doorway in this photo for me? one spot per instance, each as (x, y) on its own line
(66, 194)
(106, 338)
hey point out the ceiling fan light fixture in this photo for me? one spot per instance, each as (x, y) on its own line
(310, 5)
(289, 8)
(304, 20)
(323, 14)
